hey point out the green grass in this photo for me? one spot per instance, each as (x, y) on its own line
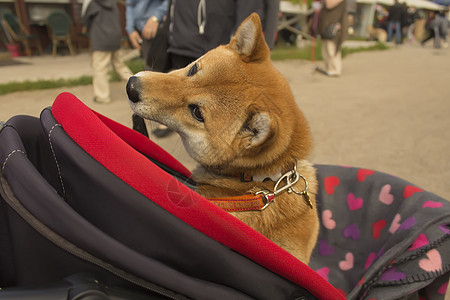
(291, 52)
(137, 65)
(377, 47)
(306, 53)
(12, 87)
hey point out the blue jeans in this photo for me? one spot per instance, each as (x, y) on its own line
(398, 31)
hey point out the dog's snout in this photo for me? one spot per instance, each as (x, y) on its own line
(133, 89)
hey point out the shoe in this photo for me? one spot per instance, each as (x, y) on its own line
(329, 74)
(332, 74)
(162, 132)
(101, 102)
(320, 70)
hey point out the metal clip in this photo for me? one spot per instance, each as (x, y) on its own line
(267, 196)
(290, 178)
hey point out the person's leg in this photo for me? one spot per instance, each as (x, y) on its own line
(180, 61)
(398, 33)
(145, 52)
(437, 37)
(119, 66)
(334, 67)
(326, 53)
(389, 29)
(430, 35)
(100, 80)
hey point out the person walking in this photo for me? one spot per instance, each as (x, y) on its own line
(396, 14)
(143, 19)
(101, 20)
(332, 26)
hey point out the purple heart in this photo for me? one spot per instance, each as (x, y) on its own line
(445, 228)
(392, 274)
(325, 249)
(351, 231)
(408, 223)
(380, 252)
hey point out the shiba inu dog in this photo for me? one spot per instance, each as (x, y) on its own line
(237, 117)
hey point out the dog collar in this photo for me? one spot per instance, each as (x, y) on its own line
(263, 198)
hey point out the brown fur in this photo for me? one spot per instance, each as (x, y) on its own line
(251, 125)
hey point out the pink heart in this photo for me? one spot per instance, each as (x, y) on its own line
(443, 289)
(433, 262)
(419, 242)
(327, 219)
(370, 260)
(395, 223)
(323, 272)
(347, 264)
(385, 195)
(353, 202)
(432, 204)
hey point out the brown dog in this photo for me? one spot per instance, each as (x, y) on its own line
(237, 117)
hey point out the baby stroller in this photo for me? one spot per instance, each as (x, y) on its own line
(94, 210)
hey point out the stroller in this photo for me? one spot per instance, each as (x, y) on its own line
(91, 209)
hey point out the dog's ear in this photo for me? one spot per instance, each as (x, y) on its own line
(249, 40)
(259, 129)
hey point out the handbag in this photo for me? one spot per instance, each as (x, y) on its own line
(331, 31)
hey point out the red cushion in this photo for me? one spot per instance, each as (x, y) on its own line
(113, 145)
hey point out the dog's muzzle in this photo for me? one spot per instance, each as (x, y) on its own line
(133, 89)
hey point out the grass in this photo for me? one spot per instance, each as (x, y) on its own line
(136, 65)
(306, 53)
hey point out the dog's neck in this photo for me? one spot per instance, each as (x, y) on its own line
(270, 176)
(255, 175)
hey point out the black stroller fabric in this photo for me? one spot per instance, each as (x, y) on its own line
(64, 213)
(90, 206)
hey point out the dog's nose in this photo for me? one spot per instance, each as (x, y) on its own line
(133, 89)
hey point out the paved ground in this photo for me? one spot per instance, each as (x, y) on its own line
(389, 111)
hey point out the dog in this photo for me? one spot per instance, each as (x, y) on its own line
(237, 117)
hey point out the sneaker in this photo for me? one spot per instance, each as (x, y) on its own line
(101, 102)
(162, 132)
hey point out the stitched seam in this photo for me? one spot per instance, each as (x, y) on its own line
(9, 155)
(367, 286)
(56, 160)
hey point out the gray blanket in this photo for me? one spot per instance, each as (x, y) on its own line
(381, 237)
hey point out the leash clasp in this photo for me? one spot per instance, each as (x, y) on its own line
(286, 184)
(267, 197)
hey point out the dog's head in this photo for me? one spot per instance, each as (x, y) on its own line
(232, 109)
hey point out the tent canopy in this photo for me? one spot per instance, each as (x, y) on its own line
(421, 4)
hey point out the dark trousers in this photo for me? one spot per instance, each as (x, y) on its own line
(179, 61)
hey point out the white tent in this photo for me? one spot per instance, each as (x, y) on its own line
(421, 4)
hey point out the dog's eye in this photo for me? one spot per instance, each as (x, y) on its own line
(196, 112)
(193, 70)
